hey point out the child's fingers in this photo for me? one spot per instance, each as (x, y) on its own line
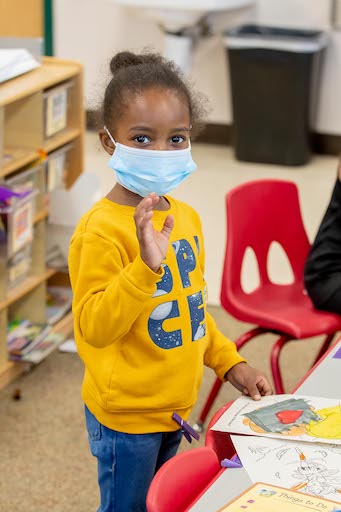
(253, 390)
(264, 387)
(144, 223)
(146, 205)
(142, 208)
(168, 226)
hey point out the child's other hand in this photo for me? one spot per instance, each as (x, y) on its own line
(249, 381)
(153, 244)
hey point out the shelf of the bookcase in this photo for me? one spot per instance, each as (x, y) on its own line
(51, 72)
(17, 158)
(40, 216)
(25, 287)
(60, 139)
(20, 157)
(11, 370)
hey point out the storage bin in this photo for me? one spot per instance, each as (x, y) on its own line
(57, 166)
(56, 108)
(32, 178)
(16, 223)
(19, 266)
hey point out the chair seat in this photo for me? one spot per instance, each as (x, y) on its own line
(284, 308)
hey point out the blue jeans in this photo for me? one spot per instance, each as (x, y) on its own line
(127, 463)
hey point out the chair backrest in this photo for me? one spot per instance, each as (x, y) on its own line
(258, 213)
(181, 479)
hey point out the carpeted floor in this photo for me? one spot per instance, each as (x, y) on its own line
(45, 463)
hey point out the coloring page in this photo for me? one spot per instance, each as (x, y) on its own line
(301, 418)
(311, 468)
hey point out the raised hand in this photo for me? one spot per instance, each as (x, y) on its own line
(153, 244)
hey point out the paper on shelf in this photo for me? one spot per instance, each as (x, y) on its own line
(15, 62)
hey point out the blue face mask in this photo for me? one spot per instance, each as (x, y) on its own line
(143, 171)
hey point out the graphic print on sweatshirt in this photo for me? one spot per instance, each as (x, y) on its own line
(186, 263)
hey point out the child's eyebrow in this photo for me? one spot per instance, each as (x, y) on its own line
(144, 128)
(183, 129)
(148, 129)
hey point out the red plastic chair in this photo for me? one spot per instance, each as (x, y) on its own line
(182, 479)
(259, 213)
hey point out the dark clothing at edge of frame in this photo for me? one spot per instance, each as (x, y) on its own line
(322, 273)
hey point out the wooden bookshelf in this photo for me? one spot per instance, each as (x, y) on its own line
(25, 145)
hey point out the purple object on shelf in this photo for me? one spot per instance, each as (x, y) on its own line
(186, 429)
(337, 354)
(6, 194)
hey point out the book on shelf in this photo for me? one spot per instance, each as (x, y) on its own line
(58, 302)
(24, 336)
(42, 350)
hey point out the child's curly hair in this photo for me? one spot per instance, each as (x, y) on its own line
(134, 73)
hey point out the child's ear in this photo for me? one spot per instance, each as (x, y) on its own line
(106, 142)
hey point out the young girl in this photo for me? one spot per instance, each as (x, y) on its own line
(137, 272)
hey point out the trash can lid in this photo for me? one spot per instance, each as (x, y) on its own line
(275, 38)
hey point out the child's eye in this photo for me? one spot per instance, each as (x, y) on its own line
(177, 139)
(142, 139)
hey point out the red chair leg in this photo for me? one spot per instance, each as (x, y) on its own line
(324, 348)
(209, 402)
(245, 338)
(274, 358)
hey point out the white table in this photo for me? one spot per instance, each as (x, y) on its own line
(323, 381)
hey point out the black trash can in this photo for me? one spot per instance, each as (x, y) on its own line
(274, 80)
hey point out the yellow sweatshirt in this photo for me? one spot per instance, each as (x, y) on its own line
(144, 337)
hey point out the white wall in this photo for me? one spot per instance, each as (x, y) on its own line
(93, 31)
(295, 13)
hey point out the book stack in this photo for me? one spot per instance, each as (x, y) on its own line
(30, 341)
